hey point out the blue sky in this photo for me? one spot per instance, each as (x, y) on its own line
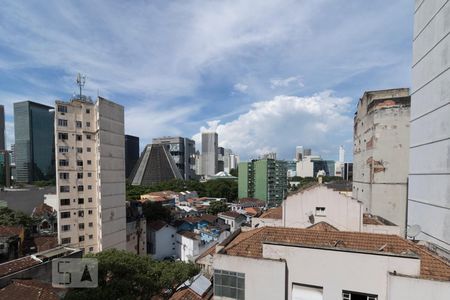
(267, 75)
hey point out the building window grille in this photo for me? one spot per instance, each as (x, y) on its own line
(65, 241)
(347, 295)
(62, 108)
(79, 124)
(63, 136)
(64, 189)
(65, 214)
(62, 122)
(64, 202)
(229, 284)
(65, 227)
(63, 149)
(320, 211)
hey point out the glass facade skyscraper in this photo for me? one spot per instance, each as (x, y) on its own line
(34, 141)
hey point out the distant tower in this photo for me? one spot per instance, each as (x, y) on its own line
(341, 154)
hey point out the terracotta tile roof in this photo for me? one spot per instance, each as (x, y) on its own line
(209, 218)
(253, 211)
(322, 226)
(188, 294)
(189, 235)
(10, 230)
(156, 225)
(30, 289)
(41, 209)
(231, 214)
(273, 213)
(249, 244)
(369, 219)
(44, 243)
(17, 265)
(210, 251)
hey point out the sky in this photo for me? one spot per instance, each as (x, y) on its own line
(266, 75)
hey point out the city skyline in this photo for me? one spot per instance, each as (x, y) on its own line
(241, 76)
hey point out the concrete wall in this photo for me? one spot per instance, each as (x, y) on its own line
(261, 222)
(380, 153)
(336, 270)
(430, 123)
(264, 279)
(341, 211)
(137, 237)
(165, 242)
(417, 289)
(187, 249)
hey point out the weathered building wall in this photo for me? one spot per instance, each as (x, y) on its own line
(380, 154)
(429, 181)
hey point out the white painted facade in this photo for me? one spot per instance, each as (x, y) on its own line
(163, 242)
(187, 248)
(322, 204)
(429, 172)
(330, 271)
(90, 174)
(234, 222)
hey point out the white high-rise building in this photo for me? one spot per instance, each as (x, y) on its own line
(210, 153)
(429, 168)
(341, 154)
(90, 165)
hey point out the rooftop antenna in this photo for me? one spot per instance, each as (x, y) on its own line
(81, 80)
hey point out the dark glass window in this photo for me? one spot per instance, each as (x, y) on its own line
(229, 284)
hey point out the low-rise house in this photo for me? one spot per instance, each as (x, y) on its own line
(37, 266)
(271, 217)
(11, 241)
(166, 198)
(31, 289)
(46, 218)
(188, 245)
(293, 263)
(42, 243)
(136, 228)
(233, 219)
(161, 240)
(244, 203)
(206, 259)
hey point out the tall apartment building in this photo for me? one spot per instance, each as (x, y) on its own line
(429, 169)
(89, 140)
(2, 128)
(131, 153)
(264, 179)
(380, 153)
(5, 169)
(230, 160)
(210, 162)
(183, 152)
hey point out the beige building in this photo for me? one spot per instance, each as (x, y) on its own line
(380, 153)
(90, 176)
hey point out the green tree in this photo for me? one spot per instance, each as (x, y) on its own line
(155, 211)
(234, 172)
(124, 275)
(9, 217)
(216, 207)
(222, 188)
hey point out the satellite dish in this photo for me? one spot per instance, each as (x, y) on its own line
(413, 230)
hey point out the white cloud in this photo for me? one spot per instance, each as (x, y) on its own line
(284, 122)
(240, 87)
(293, 80)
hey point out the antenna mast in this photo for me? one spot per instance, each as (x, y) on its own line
(81, 80)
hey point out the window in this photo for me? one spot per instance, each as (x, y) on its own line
(88, 136)
(81, 238)
(65, 227)
(63, 149)
(88, 111)
(90, 199)
(62, 122)
(89, 162)
(347, 295)
(80, 175)
(81, 226)
(91, 249)
(63, 175)
(64, 189)
(79, 137)
(91, 236)
(65, 214)
(81, 213)
(63, 162)
(89, 174)
(91, 224)
(64, 202)
(79, 163)
(90, 212)
(62, 108)
(320, 211)
(88, 149)
(63, 136)
(301, 292)
(80, 200)
(65, 241)
(229, 284)
(80, 188)
(79, 150)
(79, 124)
(89, 187)
(88, 124)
